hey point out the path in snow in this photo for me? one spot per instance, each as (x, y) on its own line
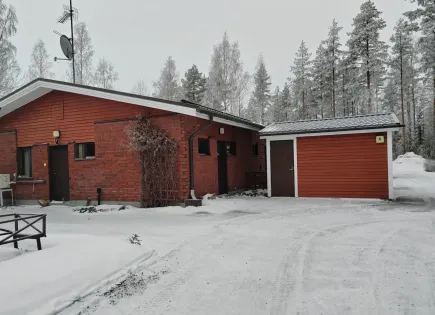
(303, 257)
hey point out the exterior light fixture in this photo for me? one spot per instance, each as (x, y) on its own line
(56, 136)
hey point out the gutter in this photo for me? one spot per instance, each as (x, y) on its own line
(191, 138)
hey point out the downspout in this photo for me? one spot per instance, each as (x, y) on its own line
(192, 173)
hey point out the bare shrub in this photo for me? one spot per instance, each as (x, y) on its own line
(158, 157)
(429, 166)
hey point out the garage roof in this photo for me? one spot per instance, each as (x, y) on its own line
(378, 121)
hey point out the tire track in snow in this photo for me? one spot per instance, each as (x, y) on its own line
(288, 282)
(379, 246)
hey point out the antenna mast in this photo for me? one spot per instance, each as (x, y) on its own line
(69, 13)
(72, 41)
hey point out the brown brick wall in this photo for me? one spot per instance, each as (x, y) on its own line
(115, 169)
(8, 152)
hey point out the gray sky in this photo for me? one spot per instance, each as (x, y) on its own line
(138, 35)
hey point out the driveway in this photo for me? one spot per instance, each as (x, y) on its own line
(285, 256)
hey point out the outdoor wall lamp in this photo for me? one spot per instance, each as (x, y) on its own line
(56, 136)
(221, 131)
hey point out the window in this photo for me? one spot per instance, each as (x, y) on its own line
(25, 162)
(204, 146)
(231, 148)
(85, 151)
(255, 149)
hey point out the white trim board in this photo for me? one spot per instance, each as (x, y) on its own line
(40, 88)
(330, 133)
(295, 167)
(390, 165)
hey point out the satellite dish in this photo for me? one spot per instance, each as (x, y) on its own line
(66, 46)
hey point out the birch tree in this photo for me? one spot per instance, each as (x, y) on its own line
(83, 54)
(105, 74)
(140, 88)
(226, 76)
(167, 86)
(40, 63)
(9, 69)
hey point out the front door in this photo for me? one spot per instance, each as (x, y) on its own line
(282, 168)
(59, 173)
(222, 167)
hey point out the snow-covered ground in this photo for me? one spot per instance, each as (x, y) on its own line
(238, 255)
(410, 179)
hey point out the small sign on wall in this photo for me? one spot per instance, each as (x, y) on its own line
(380, 139)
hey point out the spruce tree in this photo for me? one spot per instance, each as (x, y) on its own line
(194, 85)
(286, 103)
(302, 71)
(260, 99)
(369, 51)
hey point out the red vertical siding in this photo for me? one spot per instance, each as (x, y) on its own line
(346, 166)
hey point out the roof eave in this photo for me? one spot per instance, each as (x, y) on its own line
(266, 134)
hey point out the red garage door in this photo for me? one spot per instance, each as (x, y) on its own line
(343, 166)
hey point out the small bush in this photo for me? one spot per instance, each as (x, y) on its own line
(134, 239)
(429, 166)
(90, 209)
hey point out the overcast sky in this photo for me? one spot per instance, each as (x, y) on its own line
(138, 35)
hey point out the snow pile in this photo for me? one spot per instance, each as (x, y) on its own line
(410, 178)
(68, 267)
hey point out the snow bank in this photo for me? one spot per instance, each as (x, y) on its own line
(410, 178)
(68, 267)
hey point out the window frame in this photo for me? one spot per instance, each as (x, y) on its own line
(21, 160)
(255, 150)
(208, 146)
(85, 153)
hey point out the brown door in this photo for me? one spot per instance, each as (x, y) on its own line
(282, 168)
(59, 173)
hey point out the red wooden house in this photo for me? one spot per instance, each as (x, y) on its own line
(64, 141)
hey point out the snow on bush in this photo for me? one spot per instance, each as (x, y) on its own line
(429, 166)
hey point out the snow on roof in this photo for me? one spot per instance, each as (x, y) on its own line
(378, 121)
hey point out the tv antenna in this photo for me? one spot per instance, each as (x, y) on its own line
(67, 44)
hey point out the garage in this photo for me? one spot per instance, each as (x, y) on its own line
(348, 157)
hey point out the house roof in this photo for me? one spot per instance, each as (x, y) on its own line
(40, 87)
(378, 121)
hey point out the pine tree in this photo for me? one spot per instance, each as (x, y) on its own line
(225, 76)
(322, 83)
(105, 74)
(83, 56)
(333, 56)
(9, 69)
(40, 64)
(367, 49)
(167, 86)
(194, 85)
(302, 71)
(260, 99)
(276, 110)
(401, 65)
(425, 15)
